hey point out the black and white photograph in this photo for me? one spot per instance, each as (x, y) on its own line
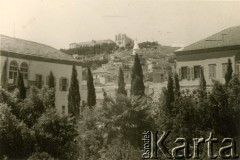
(119, 79)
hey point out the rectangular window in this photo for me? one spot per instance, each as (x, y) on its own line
(13, 74)
(224, 69)
(63, 84)
(197, 71)
(212, 70)
(39, 81)
(184, 73)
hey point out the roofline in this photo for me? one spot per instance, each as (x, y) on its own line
(38, 58)
(29, 41)
(197, 51)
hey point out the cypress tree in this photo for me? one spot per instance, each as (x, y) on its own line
(137, 85)
(177, 85)
(4, 82)
(74, 94)
(20, 86)
(121, 84)
(51, 85)
(170, 91)
(51, 80)
(228, 75)
(91, 96)
(202, 84)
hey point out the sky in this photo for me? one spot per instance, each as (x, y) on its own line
(60, 22)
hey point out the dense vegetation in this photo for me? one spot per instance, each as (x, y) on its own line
(92, 50)
(32, 128)
(148, 45)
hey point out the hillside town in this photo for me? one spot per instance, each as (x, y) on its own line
(112, 98)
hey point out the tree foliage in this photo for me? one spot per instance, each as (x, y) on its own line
(91, 95)
(121, 83)
(51, 80)
(228, 75)
(202, 84)
(88, 50)
(170, 93)
(74, 94)
(137, 84)
(31, 128)
(177, 85)
(4, 82)
(20, 86)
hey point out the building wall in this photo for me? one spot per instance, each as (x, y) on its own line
(44, 68)
(205, 64)
(122, 40)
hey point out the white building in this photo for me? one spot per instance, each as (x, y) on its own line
(211, 54)
(35, 61)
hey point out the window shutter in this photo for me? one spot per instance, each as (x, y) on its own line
(188, 73)
(192, 73)
(179, 74)
(60, 84)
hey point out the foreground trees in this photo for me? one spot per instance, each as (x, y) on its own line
(121, 83)
(198, 112)
(91, 95)
(74, 95)
(33, 127)
(137, 85)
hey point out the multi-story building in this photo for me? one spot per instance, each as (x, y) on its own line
(90, 43)
(35, 61)
(211, 54)
(122, 40)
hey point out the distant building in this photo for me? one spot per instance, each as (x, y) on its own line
(122, 40)
(35, 62)
(90, 43)
(159, 69)
(101, 76)
(211, 54)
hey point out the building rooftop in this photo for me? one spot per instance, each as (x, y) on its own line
(29, 48)
(226, 37)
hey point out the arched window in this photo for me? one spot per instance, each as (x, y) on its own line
(24, 70)
(13, 70)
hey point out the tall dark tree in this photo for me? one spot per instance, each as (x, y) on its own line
(91, 96)
(137, 85)
(202, 84)
(74, 94)
(4, 82)
(170, 92)
(228, 75)
(121, 83)
(177, 85)
(51, 85)
(51, 80)
(20, 86)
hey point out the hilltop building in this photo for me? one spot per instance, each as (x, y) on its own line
(211, 54)
(122, 40)
(35, 61)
